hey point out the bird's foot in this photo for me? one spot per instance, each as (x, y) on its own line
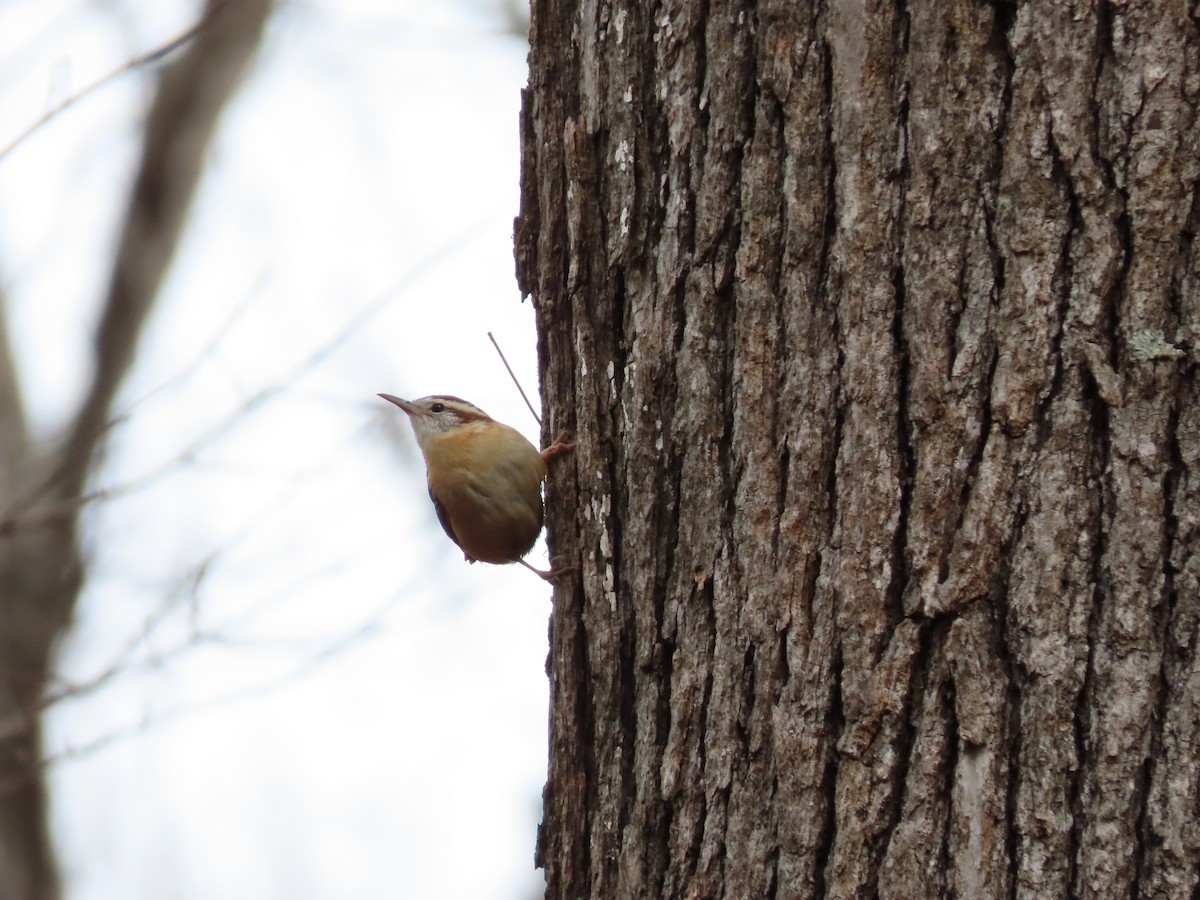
(561, 446)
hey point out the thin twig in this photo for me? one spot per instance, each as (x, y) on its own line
(370, 627)
(13, 516)
(125, 662)
(137, 62)
(513, 376)
(210, 350)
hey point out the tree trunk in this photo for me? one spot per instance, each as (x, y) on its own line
(878, 328)
(41, 488)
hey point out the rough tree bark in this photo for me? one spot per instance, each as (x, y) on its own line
(878, 326)
(41, 487)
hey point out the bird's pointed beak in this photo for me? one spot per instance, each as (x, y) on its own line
(409, 408)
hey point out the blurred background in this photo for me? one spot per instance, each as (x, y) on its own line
(282, 679)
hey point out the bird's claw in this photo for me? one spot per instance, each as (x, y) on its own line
(562, 445)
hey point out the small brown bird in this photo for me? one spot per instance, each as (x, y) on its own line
(485, 478)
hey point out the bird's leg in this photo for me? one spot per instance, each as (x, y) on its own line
(555, 573)
(561, 446)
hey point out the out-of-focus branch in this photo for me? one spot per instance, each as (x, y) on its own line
(353, 637)
(14, 436)
(40, 573)
(138, 62)
(191, 93)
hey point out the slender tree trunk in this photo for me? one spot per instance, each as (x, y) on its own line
(41, 487)
(878, 327)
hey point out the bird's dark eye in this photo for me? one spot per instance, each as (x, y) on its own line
(437, 407)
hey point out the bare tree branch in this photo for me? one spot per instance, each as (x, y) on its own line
(371, 626)
(16, 513)
(40, 571)
(190, 97)
(138, 62)
(14, 436)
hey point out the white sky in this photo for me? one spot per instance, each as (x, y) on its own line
(335, 705)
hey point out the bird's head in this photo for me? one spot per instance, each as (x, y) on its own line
(438, 414)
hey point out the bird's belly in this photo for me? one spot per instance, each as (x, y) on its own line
(491, 492)
(504, 544)
(493, 524)
(496, 532)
